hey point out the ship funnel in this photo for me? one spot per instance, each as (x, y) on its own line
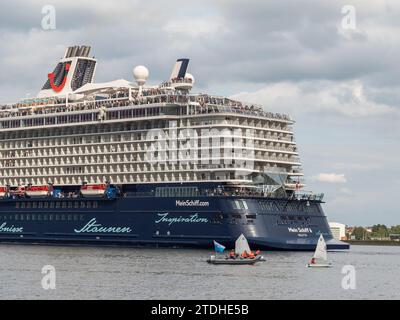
(77, 51)
(73, 71)
(180, 68)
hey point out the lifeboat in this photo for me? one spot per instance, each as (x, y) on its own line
(3, 191)
(37, 191)
(18, 192)
(88, 190)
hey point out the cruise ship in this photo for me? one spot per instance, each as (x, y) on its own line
(125, 163)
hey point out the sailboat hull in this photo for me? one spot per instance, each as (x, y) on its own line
(319, 265)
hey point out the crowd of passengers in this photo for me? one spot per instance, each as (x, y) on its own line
(148, 96)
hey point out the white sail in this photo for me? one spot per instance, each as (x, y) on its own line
(241, 245)
(320, 251)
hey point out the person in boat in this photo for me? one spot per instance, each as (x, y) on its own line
(245, 255)
(257, 252)
(312, 261)
(251, 255)
(232, 254)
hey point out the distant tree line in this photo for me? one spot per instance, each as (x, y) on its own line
(378, 231)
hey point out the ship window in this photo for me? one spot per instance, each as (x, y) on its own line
(34, 205)
(17, 205)
(76, 217)
(251, 216)
(51, 217)
(40, 205)
(17, 217)
(28, 217)
(22, 205)
(89, 204)
(76, 204)
(28, 205)
(57, 217)
(33, 217)
(69, 217)
(64, 204)
(82, 204)
(39, 217)
(81, 217)
(95, 204)
(63, 217)
(237, 216)
(45, 217)
(58, 204)
(70, 204)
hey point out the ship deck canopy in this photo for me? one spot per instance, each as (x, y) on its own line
(105, 87)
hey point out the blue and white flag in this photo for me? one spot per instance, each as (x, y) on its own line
(218, 247)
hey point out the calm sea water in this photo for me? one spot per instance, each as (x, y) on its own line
(130, 273)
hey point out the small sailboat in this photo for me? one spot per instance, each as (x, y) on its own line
(241, 245)
(241, 255)
(320, 258)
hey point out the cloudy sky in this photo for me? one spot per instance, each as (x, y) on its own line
(301, 57)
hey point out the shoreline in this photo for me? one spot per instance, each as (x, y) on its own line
(373, 242)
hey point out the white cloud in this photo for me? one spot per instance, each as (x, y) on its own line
(195, 27)
(346, 191)
(330, 178)
(346, 98)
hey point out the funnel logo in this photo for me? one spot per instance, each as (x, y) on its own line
(64, 81)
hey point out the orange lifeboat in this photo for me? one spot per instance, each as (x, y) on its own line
(37, 191)
(88, 190)
(18, 192)
(3, 191)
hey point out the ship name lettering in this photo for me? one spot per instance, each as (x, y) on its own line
(12, 229)
(93, 226)
(194, 218)
(300, 230)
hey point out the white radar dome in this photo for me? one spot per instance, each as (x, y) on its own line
(140, 73)
(189, 76)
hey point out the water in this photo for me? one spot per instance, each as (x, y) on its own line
(131, 273)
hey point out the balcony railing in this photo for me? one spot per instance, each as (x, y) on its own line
(204, 104)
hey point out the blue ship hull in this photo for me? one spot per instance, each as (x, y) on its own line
(272, 224)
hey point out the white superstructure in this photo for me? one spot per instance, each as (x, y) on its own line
(128, 133)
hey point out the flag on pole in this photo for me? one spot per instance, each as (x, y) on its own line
(218, 247)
